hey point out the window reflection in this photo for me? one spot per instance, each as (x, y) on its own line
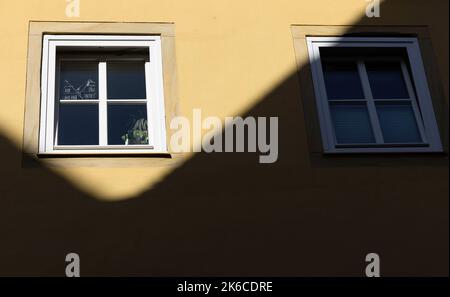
(78, 80)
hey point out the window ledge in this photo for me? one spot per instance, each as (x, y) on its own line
(422, 149)
(411, 159)
(104, 160)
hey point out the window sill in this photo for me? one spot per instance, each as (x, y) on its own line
(104, 160)
(382, 149)
(105, 154)
(379, 159)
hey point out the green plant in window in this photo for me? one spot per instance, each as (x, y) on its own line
(138, 134)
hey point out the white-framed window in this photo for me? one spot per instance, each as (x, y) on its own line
(372, 95)
(102, 94)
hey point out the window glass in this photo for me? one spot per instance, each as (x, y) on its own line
(351, 123)
(78, 80)
(78, 124)
(398, 123)
(126, 80)
(127, 124)
(386, 80)
(342, 80)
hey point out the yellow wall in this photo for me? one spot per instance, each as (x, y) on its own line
(231, 55)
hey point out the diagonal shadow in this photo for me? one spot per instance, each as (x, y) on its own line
(226, 214)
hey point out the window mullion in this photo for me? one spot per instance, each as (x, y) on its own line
(102, 108)
(370, 102)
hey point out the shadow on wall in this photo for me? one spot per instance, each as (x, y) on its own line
(226, 214)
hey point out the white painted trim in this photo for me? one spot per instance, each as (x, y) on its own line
(49, 113)
(156, 97)
(154, 100)
(43, 106)
(426, 120)
(49, 37)
(103, 104)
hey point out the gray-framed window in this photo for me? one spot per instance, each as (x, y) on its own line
(372, 95)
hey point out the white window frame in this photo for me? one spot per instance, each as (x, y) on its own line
(427, 123)
(154, 95)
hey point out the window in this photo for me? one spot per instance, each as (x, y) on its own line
(102, 94)
(372, 95)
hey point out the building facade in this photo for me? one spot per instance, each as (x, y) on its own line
(349, 177)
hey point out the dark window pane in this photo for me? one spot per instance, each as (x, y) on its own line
(126, 80)
(342, 80)
(398, 123)
(127, 124)
(386, 80)
(78, 124)
(351, 123)
(78, 80)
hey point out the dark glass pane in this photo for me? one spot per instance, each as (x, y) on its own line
(386, 80)
(126, 80)
(78, 124)
(127, 124)
(351, 123)
(398, 123)
(342, 80)
(78, 80)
